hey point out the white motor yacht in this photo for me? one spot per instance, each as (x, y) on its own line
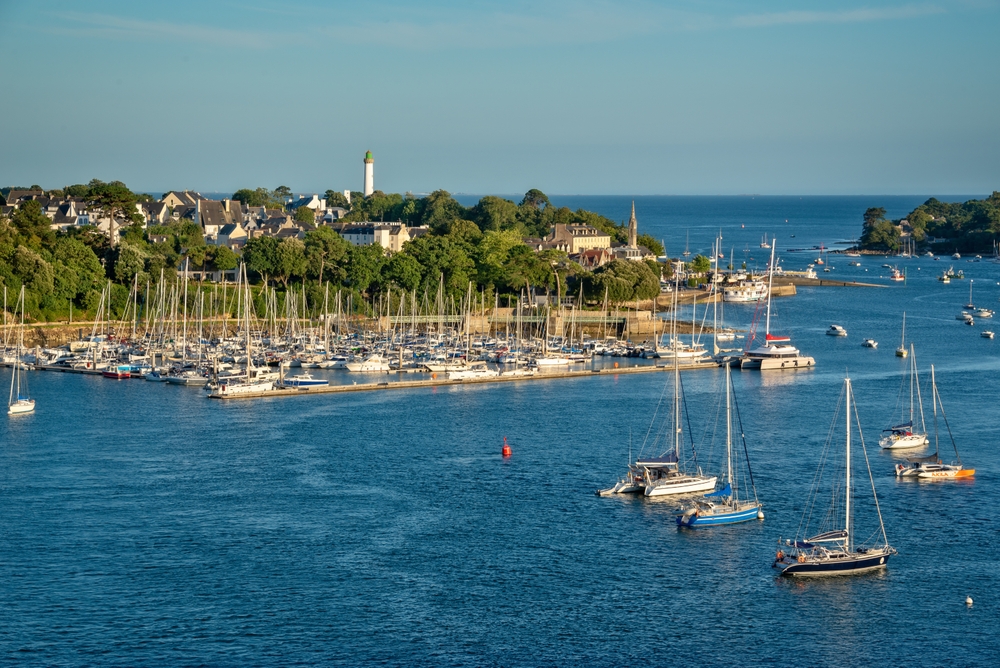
(371, 364)
(986, 334)
(836, 330)
(870, 343)
(475, 371)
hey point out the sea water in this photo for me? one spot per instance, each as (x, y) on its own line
(145, 524)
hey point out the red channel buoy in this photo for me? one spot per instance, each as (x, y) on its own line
(506, 448)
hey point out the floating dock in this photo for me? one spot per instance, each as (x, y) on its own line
(439, 382)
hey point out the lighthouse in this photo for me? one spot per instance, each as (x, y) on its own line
(369, 174)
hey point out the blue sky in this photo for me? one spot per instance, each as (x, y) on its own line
(576, 97)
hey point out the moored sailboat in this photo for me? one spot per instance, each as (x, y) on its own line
(19, 402)
(724, 506)
(905, 435)
(833, 551)
(931, 467)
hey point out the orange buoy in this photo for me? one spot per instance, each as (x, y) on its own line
(616, 365)
(506, 448)
(434, 376)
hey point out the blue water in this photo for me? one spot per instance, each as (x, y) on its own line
(144, 524)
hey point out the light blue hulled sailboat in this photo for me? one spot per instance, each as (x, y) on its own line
(724, 506)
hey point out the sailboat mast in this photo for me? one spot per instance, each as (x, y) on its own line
(729, 431)
(847, 484)
(770, 278)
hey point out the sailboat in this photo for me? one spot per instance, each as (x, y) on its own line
(903, 435)
(777, 351)
(901, 351)
(724, 506)
(687, 241)
(664, 475)
(932, 468)
(833, 551)
(18, 402)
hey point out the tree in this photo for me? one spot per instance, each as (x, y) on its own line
(622, 281)
(33, 270)
(304, 214)
(32, 224)
(699, 265)
(495, 213)
(326, 250)
(364, 266)
(535, 199)
(78, 190)
(256, 197)
(291, 260)
(130, 261)
(441, 210)
(336, 198)
(282, 193)
(654, 246)
(261, 255)
(224, 259)
(402, 270)
(873, 215)
(114, 198)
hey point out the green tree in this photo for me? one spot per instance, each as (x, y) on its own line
(403, 271)
(130, 261)
(336, 198)
(699, 265)
(291, 260)
(441, 210)
(364, 266)
(261, 255)
(652, 244)
(33, 225)
(225, 259)
(256, 197)
(327, 253)
(114, 199)
(281, 194)
(535, 199)
(495, 213)
(33, 270)
(304, 214)
(78, 190)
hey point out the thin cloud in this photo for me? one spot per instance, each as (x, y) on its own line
(115, 27)
(863, 15)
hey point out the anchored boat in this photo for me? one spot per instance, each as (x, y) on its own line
(931, 467)
(833, 551)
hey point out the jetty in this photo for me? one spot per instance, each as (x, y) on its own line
(439, 382)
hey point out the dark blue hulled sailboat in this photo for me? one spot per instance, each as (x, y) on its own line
(724, 506)
(833, 552)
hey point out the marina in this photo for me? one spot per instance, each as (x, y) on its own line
(240, 495)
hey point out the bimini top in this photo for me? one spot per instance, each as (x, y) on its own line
(905, 427)
(658, 462)
(725, 491)
(829, 536)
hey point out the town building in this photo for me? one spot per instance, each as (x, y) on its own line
(390, 236)
(576, 237)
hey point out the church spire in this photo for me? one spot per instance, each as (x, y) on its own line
(633, 229)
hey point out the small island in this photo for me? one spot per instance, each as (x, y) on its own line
(939, 227)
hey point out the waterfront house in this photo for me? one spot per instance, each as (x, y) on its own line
(577, 237)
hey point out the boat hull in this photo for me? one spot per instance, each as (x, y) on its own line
(852, 564)
(904, 442)
(701, 520)
(21, 406)
(687, 486)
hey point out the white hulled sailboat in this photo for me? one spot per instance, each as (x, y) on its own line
(18, 402)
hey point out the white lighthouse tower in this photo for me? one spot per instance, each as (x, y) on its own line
(369, 174)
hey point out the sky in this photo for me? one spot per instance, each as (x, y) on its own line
(571, 97)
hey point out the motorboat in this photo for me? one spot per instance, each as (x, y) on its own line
(983, 313)
(474, 371)
(986, 334)
(970, 322)
(745, 291)
(191, 377)
(120, 372)
(897, 275)
(964, 315)
(302, 381)
(832, 551)
(956, 256)
(371, 364)
(836, 330)
(870, 343)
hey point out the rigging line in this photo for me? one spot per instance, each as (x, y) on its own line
(687, 418)
(743, 437)
(948, 426)
(652, 421)
(861, 437)
(814, 491)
